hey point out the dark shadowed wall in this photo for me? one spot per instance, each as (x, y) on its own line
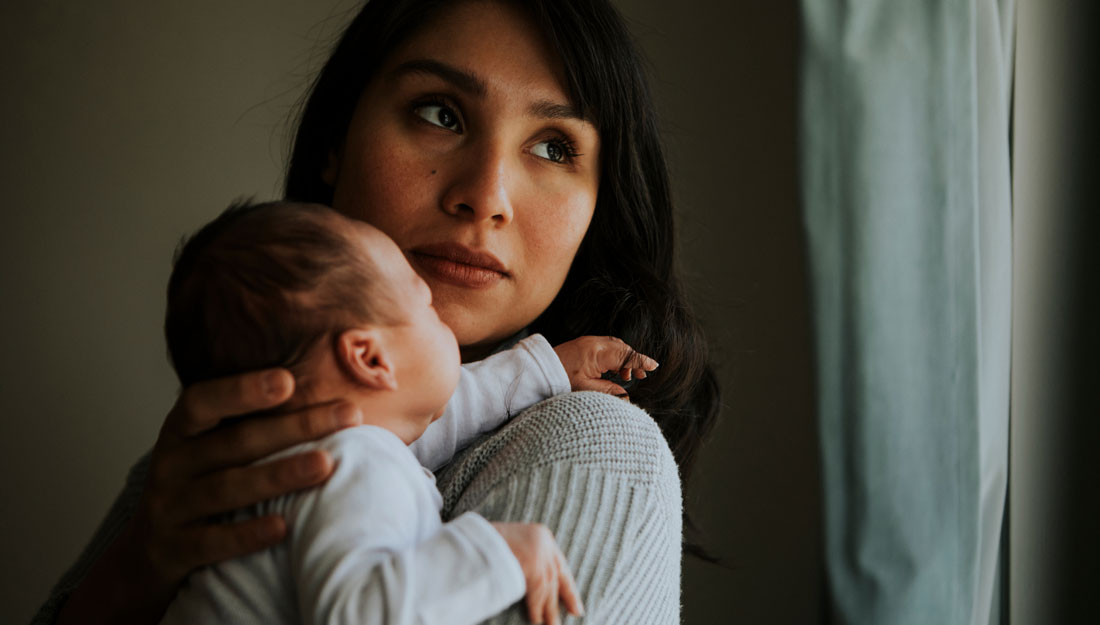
(725, 77)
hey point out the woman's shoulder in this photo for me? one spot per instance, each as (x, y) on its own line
(591, 427)
(583, 428)
(571, 441)
(598, 417)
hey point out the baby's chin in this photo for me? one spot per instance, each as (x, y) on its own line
(417, 426)
(438, 413)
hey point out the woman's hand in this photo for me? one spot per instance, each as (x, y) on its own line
(587, 358)
(198, 471)
(544, 570)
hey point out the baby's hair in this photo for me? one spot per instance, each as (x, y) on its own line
(262, 284)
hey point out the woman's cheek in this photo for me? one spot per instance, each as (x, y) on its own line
(551, 247)
(389, 191)
(572, 223)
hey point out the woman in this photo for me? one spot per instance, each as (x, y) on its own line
(511, 151)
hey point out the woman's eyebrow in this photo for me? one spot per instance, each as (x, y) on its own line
(471, 83)
(546, 109)
(463, 80)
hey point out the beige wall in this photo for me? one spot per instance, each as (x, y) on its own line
(127, 124)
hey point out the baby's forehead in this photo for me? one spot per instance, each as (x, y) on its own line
(365, 231)
(376, 245)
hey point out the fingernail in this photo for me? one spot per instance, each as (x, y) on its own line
(275, 384)
(345, 415)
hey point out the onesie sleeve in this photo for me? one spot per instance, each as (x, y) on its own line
(368, 547)
(489, 392)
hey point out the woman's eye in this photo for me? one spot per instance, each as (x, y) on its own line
(551, 150)
(441, 116)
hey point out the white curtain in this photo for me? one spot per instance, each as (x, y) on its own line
(905, 143)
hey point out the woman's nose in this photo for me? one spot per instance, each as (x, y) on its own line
(479, 189)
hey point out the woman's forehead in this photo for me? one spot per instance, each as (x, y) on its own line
(487, 46)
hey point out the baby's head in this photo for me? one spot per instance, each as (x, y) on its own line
(331, 299)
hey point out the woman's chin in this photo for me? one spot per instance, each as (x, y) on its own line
(478, 330)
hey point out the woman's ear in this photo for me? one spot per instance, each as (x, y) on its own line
(363, 355)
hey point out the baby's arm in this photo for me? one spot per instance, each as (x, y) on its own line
(358, 551)
(489, 392)
(492, 390)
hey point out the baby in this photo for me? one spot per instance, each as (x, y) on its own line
(334, 301)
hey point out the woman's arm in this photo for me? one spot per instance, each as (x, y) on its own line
(159, 531)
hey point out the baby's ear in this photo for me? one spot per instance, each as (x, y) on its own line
(363, 355)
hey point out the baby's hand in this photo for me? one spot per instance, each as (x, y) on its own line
(544, 569)
(587, 358)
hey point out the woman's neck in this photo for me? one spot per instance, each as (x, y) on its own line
(479, 351)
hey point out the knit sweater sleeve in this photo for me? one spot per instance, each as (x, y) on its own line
(598, 472)
(117, 517)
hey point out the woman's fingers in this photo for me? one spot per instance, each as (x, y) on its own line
(251, 439)
(230, 489)
(203, 405)
(179, 535)
(215, 543)
(203, 467)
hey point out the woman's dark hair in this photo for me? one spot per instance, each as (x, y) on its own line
(623, 281)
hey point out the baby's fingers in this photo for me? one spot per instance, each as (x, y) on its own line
(640, 363)
(567, 589)
(638, 366)
(537, 598)
(600, 385)
(613, 354)
(552, 597)
(534, 608)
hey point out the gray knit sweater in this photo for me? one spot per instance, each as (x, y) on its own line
(593, 468)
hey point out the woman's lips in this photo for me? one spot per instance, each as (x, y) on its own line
(459, 265)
